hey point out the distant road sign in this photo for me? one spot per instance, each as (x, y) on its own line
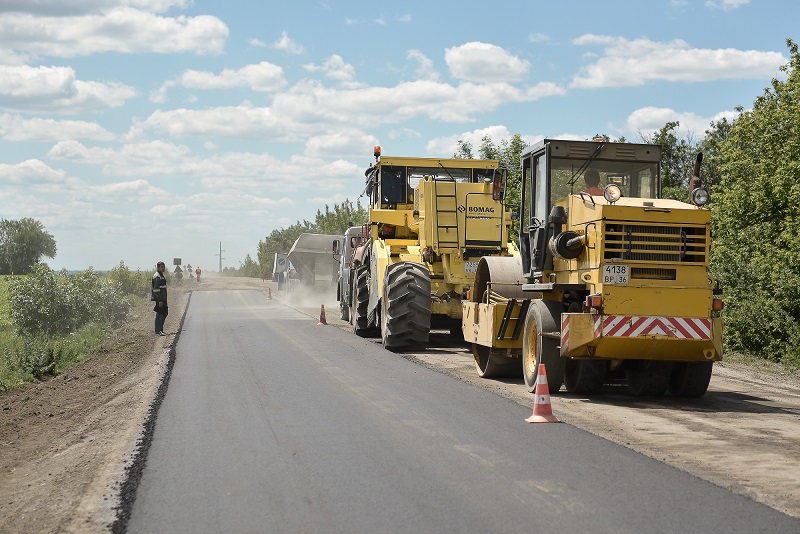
(176, 261)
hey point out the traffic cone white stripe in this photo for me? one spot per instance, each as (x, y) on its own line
(542, 411)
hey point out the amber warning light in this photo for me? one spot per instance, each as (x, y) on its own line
(376, 151)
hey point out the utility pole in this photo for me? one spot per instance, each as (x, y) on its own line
(220, 257)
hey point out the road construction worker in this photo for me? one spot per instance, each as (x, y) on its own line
(159, 296)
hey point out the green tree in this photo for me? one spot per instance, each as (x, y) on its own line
(24, 243)
(340, 218)
(248, 268)
(464, 150)
(677, 159)
(711, 147)
(756, 222)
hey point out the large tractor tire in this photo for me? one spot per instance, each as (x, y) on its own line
(406, 306)
(497, 276)
(361, 303)
(648, 378)
(690, 379)
(494, 364)
(585, 376)
(542, 320)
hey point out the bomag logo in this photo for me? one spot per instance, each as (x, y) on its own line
(480, 209)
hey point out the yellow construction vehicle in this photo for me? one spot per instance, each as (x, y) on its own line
(612, 284)
(430, 221)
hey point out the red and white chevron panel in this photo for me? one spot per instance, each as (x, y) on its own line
(633, 326)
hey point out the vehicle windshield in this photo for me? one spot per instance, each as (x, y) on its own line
(417, 174)
(635, 179)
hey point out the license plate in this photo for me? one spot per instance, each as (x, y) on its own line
(615, 274)
(470, 266)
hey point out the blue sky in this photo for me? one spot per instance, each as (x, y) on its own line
(140, 130)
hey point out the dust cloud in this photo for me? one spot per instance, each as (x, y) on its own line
(304, 296)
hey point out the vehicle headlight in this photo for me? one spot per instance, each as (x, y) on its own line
(700, 197)
(612, 193)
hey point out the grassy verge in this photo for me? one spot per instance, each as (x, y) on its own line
(32, 349)
(28, 358)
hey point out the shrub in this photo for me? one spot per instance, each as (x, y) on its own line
(52, 305)
(131, 283)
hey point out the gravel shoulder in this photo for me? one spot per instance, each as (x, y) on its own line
(66, 442)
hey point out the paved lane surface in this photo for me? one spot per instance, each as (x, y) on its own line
(272, 423)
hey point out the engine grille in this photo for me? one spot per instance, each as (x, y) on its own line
(655, 244)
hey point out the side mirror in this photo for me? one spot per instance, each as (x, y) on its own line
(335, 247)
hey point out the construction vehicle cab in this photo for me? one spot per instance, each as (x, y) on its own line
(430, 221)
(611, 286)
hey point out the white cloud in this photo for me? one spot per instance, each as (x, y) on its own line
(263, 77)
(57, 90)
(17, 128)
(334, 68)
(240, 172)
(483, 62)
(30, 172)
(448, 145)
(151, 158)
(121, 29)
(134, 191)
(627, 62)
(310, 109)
(426, 70)
(288, 45)
(76, 7)
(234, 121)
(341, 143)
(538, 37)
(648, 120)
(726, 5)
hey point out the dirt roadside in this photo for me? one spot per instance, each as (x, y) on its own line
(65, 442)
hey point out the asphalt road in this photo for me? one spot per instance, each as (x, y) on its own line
(272, 423)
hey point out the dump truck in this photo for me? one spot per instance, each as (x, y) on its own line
(611, 286)
(430, 221)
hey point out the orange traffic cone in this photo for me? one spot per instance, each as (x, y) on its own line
(542, 412)
(322, 315)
